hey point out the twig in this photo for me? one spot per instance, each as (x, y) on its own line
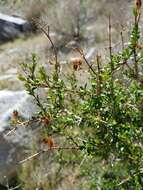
(49, 38)
(39, 104)
(86, 61)
(128, 178)
(30, 157)
(140, 171)
(99, 81)
(11, 131)
(124, 181)
(122, 64)
(83, 160)
(136, 63)
(110, 46)
(47, 34)
(111, 66)
(122, 40)
(136, 25)
(16, 187)
(43, 151)
(21, 123)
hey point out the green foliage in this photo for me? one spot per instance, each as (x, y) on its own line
(102, 121)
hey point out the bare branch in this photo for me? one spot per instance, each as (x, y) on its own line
(47, 34)
(49, 149)
(86, 61)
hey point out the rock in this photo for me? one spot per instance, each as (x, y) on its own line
(8, 157)
(7, 77)
(91, 53)
(13, 146)
(12, 27)
(9, 101)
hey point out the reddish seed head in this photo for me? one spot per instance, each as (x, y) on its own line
(15, 114)
(45, 120)
(76, 62)
(49, 141)
(138, 4)
(75, 67)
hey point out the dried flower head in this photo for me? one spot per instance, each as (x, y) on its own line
(139, 46)
(15, 114)
(48, 141)
(76, 62)
(138, 4)
(45, 120)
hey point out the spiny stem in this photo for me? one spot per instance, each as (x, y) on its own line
(111, 67)
(110, 46)
(136, 28)
(39, 104)
(43, 151)
(47, 34)
(122, 40)
(99, 81)
(86, 61)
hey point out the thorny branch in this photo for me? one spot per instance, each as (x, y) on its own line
(86, 61)
(22, 123)
(47, 34)
(49, 149)
(130, 177)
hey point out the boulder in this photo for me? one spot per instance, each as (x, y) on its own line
(12, 27)
(13, 147)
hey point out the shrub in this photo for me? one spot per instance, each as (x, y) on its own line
(100, 124)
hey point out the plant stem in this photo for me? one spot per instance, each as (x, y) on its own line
(86, 61)
(111, 67)
(99, 81)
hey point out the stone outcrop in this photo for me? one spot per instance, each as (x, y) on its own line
(14, 145)
(12, 27)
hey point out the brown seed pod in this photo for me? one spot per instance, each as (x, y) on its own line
(139, 46)
(76, 62)
(48, 141)
(45, 120)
